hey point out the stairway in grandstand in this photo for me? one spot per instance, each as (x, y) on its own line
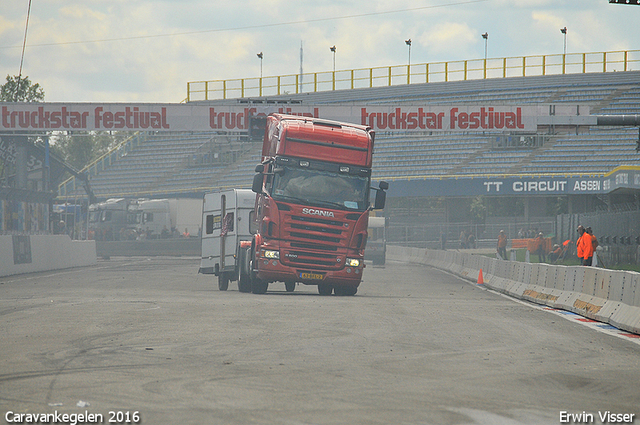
(141, 168)
(221, 162)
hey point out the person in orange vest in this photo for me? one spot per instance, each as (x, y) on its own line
(579, 248)
(584, 246)
(502, 245)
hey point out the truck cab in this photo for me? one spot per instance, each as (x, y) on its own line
(312, 204)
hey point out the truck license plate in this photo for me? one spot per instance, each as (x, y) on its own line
(311, 276)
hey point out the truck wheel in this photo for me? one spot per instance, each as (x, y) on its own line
(324, 289)
(258, 286)
(290, 286)
(345, 291)
(244, 280)
(223, 281)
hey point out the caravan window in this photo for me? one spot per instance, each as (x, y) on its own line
(209, 227)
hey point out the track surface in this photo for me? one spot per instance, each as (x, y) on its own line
(414, 346)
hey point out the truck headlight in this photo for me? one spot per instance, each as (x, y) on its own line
(353, 262)
(268, 253)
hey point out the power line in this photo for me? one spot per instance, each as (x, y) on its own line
(248, 27)
(24, 45)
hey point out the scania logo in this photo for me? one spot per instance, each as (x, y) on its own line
(311, 211)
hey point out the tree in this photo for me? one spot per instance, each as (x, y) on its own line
(18, 89)
(80, 149)
(478, 210)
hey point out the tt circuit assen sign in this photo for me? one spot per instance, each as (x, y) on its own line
(236, 117)
(624, 177)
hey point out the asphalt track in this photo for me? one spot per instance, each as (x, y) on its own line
(414, 346)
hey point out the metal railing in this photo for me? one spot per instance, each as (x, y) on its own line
(475, 69)
(123, 148)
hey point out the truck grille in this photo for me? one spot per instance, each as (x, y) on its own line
(314, 241)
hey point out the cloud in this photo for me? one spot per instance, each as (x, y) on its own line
(118, 50)
(448, 36)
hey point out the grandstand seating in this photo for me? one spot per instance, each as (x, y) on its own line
(161, 167)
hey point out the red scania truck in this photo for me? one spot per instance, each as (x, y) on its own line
(312, 205)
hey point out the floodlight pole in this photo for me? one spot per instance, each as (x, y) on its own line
(486, 40)
(333, 50)
(408, 43)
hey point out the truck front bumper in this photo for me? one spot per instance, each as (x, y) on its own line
(273, 270)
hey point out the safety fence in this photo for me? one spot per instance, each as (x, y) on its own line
(387, 76)
(608, 296)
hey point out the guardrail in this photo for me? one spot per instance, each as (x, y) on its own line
(474, 69)
(608, 296)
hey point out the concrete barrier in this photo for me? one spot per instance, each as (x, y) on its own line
(610, 296)
(37, 253)
(190, 247)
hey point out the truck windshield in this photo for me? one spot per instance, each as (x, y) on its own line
(94, 216)
(322, 188)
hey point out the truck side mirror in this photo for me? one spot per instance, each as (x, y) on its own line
(381, 198)
(381, 195)
(257, 183)
(260, 168)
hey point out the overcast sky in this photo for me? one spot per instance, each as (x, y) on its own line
(147, 50)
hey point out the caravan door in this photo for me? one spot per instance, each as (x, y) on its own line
(219, 236)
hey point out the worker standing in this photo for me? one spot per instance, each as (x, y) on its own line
(502, 245)
(584, 246)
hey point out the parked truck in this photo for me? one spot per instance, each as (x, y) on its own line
(111, 220)
(312, 205)
(226, 219)
(122, 218)
(152, 217)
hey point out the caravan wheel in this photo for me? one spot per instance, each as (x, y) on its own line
(223, 281)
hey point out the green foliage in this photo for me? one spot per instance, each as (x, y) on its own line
(21, 90)
(79, 150)
(505, 207)
(478, 210)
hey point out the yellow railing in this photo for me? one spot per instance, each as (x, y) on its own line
(475, 69)
(69, 185)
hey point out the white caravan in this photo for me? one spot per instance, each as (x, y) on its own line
(226, 220)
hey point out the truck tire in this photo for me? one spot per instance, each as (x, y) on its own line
(223, 281)
(259, 286)
(345, 291)
(324, 289)
(290, 286)
(244, 280)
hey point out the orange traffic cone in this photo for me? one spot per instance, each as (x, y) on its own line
(480, 279)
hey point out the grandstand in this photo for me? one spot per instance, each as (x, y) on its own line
(190, 164)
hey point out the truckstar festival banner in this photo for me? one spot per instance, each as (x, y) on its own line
(236, 117)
